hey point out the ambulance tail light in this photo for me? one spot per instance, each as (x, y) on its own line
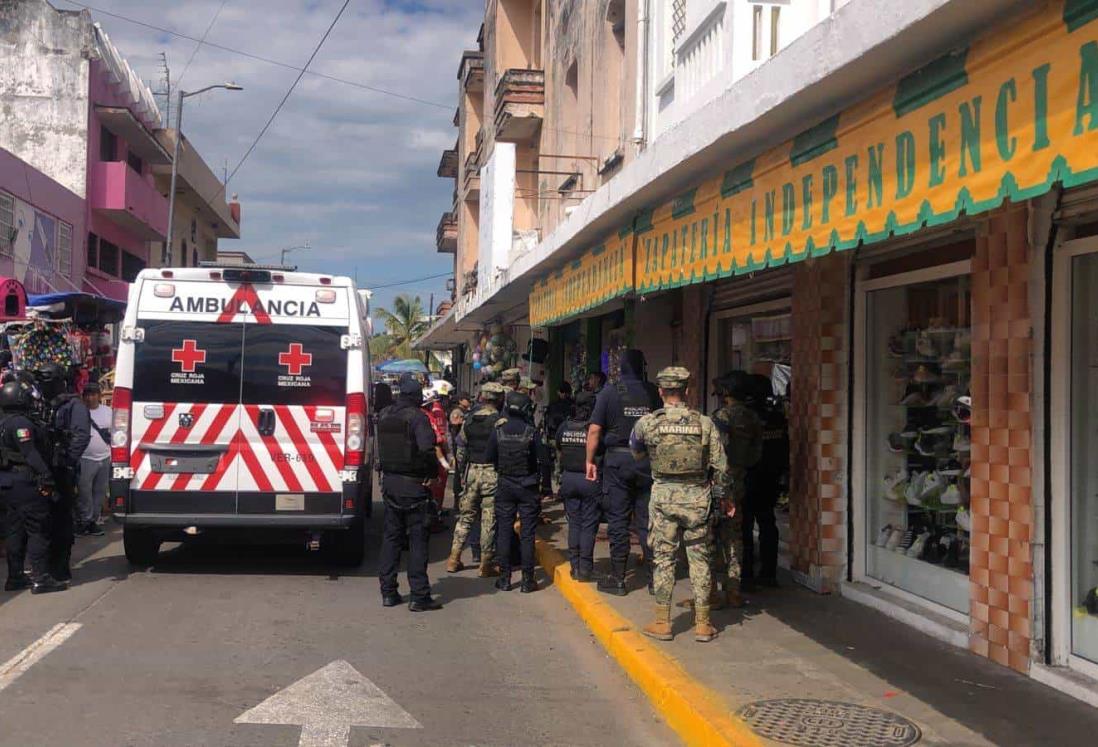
(325, 295)
(355, 444)
(121, 402)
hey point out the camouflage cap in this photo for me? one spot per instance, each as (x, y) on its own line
(492, 389)
(511, 376)
(527, 383)
(673, 377)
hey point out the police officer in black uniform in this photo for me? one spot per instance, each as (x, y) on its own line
(580, 495)
(406, 450)
(26, 484)
(70, 423)
(626, 482)
(555, 414)
(763, 485)
(513, 448)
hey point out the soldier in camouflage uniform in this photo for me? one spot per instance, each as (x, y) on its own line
(479, 495)
(510, 379)
(740, 429)
(688, 466)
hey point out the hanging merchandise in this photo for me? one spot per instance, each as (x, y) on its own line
(44, 343)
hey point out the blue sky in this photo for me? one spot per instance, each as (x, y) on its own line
(350, 170)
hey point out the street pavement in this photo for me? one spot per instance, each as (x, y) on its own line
(300, 654)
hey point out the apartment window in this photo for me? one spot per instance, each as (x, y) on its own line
(64, 249)
(131, 265)
(93, 250)
(135, 162)
(108, 145)
(108, 257)
(7, 223)
(756, 31)
(775, 17)
(678, 25)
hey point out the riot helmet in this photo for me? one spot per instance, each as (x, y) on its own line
(15, 396)
(519, 404)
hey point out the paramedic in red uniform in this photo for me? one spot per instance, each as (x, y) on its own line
(435, 410)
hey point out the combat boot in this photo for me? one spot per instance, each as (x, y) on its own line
(46, 584)
(614, 582)
(703, 630)
(529, 583)
(660, 628)
(733, 597)
(503, 583)
(453, 563)
(488, 569)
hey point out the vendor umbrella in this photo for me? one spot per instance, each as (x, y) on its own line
(408, 365)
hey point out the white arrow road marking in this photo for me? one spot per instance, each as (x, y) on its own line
(14, 667)
(327, 703)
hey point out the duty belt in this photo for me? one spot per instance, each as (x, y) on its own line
(482, 464)
(697, 479)
(620, 449)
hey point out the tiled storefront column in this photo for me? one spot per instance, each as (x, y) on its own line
(818, 420)
(1002, 504)
(692, 349)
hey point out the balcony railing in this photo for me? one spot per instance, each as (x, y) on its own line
(118, 192)
(700, 56)
(520, 105)
(448, 164)
(446, 234)
(471, 71)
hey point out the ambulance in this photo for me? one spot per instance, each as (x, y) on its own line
(240, 409)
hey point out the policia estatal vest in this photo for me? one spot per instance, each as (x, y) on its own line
(406, 451)
(26, 484)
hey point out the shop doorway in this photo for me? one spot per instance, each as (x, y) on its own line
(1074, 468)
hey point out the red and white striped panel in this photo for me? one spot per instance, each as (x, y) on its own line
(293, 459)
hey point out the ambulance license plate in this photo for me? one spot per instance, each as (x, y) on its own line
(293, 502)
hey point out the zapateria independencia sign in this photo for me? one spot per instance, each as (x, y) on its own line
(1005, 118)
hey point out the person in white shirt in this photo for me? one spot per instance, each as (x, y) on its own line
(95, 465)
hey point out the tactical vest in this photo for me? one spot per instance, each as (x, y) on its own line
(478, 431)
(678, 449)
(396, 444)
(741, 451)
(635, 402)
(573, 446)
(10, 458)
(514, 452)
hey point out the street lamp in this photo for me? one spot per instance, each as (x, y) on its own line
(175, 156)
(287, 250)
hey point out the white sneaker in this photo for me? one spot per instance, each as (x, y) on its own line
(932, 487)
(964, 519)
(961, 442)
(951, 496)
(895, 485)
(894, 539)
(914, 488)
(917, 546)
(883, 535)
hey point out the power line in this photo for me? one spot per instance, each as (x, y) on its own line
(260, 58)
(409, 282)
(201, 41)
(281, 103)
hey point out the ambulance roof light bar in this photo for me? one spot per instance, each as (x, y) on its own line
(214, 265)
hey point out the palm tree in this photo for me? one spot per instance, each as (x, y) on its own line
(405, 324)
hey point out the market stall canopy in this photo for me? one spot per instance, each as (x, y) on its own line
(408, 365)
(83, 308)
(14, 299)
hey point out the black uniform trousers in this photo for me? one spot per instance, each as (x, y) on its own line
(545, 462)
(758, 507)
(516, 496)
(581, 505)
(627, 486)
(408, 512)
(28, 528)
(62, 535)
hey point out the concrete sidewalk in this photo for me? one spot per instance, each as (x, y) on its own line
(790, 645)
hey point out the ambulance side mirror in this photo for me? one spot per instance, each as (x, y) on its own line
(350, 342)
(132, 334)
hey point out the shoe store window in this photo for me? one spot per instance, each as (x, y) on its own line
(1074, 467)
(912, 470)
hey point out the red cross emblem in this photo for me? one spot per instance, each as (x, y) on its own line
(188, 356)
(295, 359)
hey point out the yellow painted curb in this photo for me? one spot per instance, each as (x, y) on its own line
(695, 712)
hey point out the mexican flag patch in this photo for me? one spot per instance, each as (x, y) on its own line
(23, 434)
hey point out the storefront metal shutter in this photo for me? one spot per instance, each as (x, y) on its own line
(753, 288)
(1079, 203)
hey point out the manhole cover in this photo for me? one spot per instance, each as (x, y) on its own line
(826, 723)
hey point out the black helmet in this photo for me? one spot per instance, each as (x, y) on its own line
(582, 406)
(736, 384)
(762, 390)
(15, 396)
(519, 404)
